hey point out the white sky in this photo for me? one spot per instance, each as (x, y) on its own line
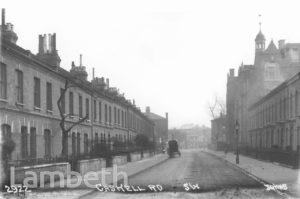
(171, 55)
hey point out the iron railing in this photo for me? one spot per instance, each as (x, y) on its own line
(73, 159)
(287, 157)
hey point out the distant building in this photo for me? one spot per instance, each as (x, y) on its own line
(180, 136)
(218, 132)
(195, 137)
(272, 66)
(160, 126)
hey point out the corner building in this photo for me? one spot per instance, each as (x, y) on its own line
(272, 66)
(30, 86)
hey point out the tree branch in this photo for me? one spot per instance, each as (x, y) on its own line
(59, 105)
(78, 122)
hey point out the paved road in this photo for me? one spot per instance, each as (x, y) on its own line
(213, 177)
(194, 167)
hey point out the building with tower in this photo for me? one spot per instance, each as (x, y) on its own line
(272, 66)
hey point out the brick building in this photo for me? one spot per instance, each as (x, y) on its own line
(30, 86)
(160, 127)
(272, 66)
(218, 132)
(193, 137)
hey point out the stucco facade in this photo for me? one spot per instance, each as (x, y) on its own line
(27, 78)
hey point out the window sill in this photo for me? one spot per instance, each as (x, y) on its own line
(37, 108)
(20, 104)
(49, 112)
(3, 100)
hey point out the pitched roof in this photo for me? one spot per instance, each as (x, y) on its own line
(271, 48)
(153, 116)
(260, 37)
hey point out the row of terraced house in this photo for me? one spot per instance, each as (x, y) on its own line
(30, 86)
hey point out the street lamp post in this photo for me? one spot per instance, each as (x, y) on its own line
(237, 160)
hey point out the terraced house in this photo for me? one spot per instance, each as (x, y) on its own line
(30, 86)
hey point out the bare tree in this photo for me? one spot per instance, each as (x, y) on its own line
(65, 130)
(217, 107)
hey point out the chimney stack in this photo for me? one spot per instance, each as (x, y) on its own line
(107, 82)
(47, 50)
(148, 109)
(54, 42)
(281, 44)
(41, 47)
(3, 17)
(44, 44)
(93, 73)
(49, 43)
(231, 72)
(7, 29)
(80, 60)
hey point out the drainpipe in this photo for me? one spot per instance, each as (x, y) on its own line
(92, 112)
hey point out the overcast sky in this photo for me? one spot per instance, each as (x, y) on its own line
(171, 55)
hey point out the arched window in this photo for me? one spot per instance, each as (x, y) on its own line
(47, 138)
(78, 143)
(67, 145)
(24, 142)
(296, 103)
(33, 142)
(6, 131)
(96, 138)
(6, 134)
(85, 139)
(73, 143)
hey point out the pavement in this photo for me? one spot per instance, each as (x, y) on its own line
(267, 172)
(56, 190)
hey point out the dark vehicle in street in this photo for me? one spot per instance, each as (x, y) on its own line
(173, 148)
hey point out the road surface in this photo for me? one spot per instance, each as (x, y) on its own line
(195, 172)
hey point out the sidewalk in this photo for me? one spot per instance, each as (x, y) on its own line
(272, 173)
(55, 190)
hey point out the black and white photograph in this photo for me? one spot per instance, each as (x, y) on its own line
(149, 99)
